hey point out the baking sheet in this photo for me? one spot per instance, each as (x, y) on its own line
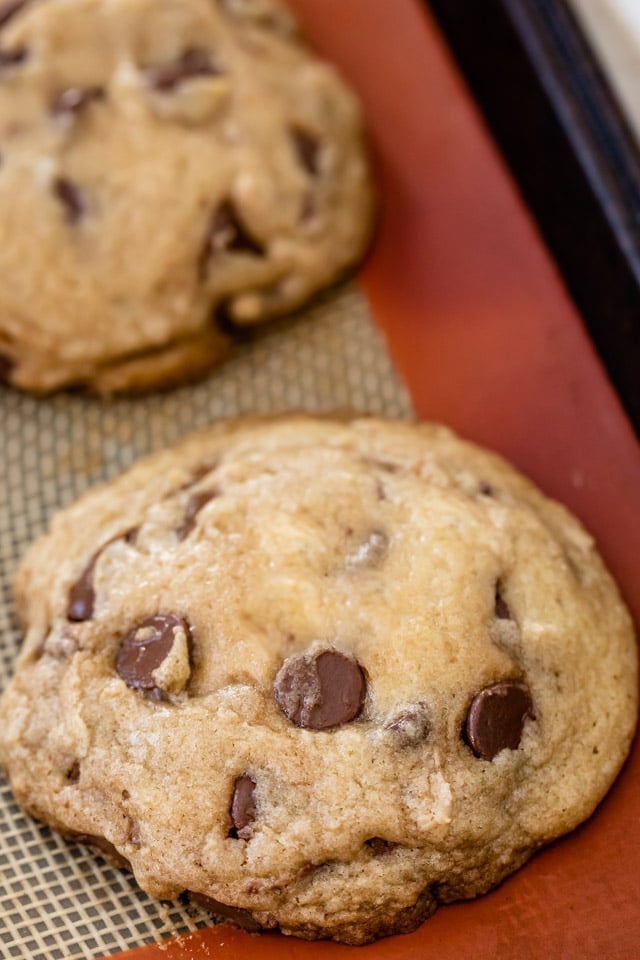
(613, 27)
(480, 328)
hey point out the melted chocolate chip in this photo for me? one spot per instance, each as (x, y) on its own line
(195, 504)
(70, 196)
(73, 100)
(193, 63)
(10, 9)
(103, 848)
(6, 366)
(241, 918)
(496, 718)
(145, 647)
(502, 611)
(82, 596)
(10, 58)
(227, 234)
(307, 150)
(243, 806)
(322, 691)
(412, 726)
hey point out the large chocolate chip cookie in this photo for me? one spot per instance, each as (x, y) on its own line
(170, 171)
(321, 674)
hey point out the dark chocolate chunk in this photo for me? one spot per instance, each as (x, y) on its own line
(502, 611)
(307, 150)
(195, 504)
(103, 848)
(10, 9)
(412, 726)
(145, 647)
(243, 806)
(6, 366)
(227, 233)
(73, 100)
(322, 691)
(70, 196)
(485, 489)
(241, 918)
(10, 58)
(193, 63)
(496, 718)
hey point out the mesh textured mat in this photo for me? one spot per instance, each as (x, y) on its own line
(56, 899)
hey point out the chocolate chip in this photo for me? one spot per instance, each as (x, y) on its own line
(502, 611)
(6, 366)
(241, 918)
(103, 848)
(9, 10)
(193, 63)
(145, 647)
(243, 806)
(485, 489)
(227, 234)
(412, 726)
(82, 596)
(194, 505)
(73, 100)
(9, 58)
(307, 150)
(322, 691)
(70, 196)
(496, 718)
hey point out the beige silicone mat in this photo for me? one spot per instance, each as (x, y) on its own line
(57, 900)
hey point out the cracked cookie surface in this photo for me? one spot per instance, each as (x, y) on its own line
(321, 674)
(171, 171)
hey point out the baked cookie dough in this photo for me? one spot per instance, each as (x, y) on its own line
(322, 674)
(170, 171)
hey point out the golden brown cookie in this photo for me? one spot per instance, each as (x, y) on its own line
(324, 675)
(170, 171)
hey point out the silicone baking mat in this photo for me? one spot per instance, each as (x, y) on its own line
(56, 900)
(480, 329)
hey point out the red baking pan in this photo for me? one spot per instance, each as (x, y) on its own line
(482, 331)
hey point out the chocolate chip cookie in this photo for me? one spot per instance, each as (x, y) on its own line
(318, 675)
(171, 171)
